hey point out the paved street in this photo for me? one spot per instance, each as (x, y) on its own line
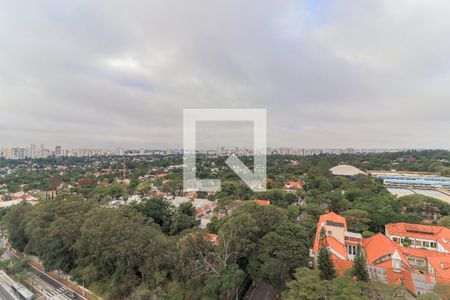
(262, 291)
(5, 290)
(51, 287)
(44, 283)
(5, 295)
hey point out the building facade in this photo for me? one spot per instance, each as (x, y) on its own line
(414, 256)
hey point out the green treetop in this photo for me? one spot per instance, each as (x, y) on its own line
(359, 266)
(326, 267)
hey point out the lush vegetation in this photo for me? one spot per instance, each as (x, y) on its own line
(152, 249)
(117, 251)
(308, 285)
(17, 268)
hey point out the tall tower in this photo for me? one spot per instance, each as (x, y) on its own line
(33, 151)
(58, 151)
(42, 151)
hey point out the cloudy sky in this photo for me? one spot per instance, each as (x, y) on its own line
(329, 73)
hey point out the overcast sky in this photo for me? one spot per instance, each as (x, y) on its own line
(330, 73)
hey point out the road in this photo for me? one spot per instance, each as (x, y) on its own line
(262, 291)
(5, 295)
(55, 289)
(5, 287)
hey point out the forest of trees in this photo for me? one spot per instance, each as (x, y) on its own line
(123, 251)
(151, 249)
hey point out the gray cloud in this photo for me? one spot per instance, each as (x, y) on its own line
(330, 73)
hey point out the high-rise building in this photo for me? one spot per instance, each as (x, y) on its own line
(58, 151)
(119, 151)
(41, 151)
(4, 152)
(33, 153)
(18, 153)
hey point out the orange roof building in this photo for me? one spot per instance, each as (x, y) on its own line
(213, 238)
(341, 243)
(434, 238)
(417, 267)
(378, 248)
(293, 186)
(262, 202)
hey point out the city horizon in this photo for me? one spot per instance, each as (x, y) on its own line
(226, 147)
(34, 151)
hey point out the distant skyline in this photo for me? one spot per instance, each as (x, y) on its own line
(331, 74)
(35, 152)
(52, 147)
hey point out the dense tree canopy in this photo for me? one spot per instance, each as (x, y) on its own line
(154, 250)
(308, 285)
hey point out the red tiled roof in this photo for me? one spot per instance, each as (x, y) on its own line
(380, 245)
(402, 278)
(341, 265)
(262, 202)
(423, 252)
(427, 232)
(443, 280)
(293, 185)
(416, 230)
(212, 237)
(337, 246)
(331, 217)
(441, 265)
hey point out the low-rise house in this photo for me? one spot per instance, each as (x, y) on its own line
(134, 199)
(262, 202)
(293, 186)
(213, 238)
(116, 203)
(18, 196)
(204, 208)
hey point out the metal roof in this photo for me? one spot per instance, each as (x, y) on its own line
(23, 291)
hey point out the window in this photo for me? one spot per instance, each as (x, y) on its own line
(351, 250)
(419, 243)
(433, 245)
(426, 244)
(397, 265)
(395, 239)
(329, 232)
